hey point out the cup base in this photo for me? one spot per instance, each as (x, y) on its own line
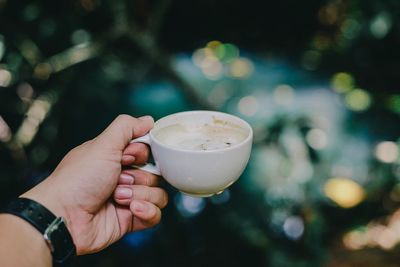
(202, 194)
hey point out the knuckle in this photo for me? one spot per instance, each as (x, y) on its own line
(156, 218)
(123, 122)
(164, 202)
(141, 192)
(148, 180)
(148, 195)
(123, 117)
(135, 192)
(151, 215)
(140, 151)
(146, 151)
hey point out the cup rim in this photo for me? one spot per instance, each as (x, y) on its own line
(244, 124)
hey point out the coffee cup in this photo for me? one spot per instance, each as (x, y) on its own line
(200, 153)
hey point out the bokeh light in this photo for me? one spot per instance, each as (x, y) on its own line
(2, 46)
(284, 94)
(5, 132)
(199, 55)
(37, 112)
(212, 68)
(248, 105)
(330, 13)
(30, 51)
(321, 42)
(189, 206)
(208, 62)
(213, 44)
(387, 238)
(344, 192)
(383, 233)
(227, 52)
(293, 227)
(80, 36)
(42, 71)
(356, 239)
(25, 92)
(217, 58)
(358, 100)
(5, 78)
(351, 28)
(393, 103)
(317, 138)
(387, 152)
(241, 68)
(380, 25)
(342, 82)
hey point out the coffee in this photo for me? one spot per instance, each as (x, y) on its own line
(200, 137)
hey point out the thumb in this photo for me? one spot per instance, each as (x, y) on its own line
(123, 129)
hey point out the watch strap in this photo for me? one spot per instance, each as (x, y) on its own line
(52, 228)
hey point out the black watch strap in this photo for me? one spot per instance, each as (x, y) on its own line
(52, 228)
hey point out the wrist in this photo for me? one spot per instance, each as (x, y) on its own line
(52, 228)
(48, 195)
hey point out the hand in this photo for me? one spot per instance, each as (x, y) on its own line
(82, 186)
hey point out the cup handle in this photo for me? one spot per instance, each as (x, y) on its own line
(148, 167)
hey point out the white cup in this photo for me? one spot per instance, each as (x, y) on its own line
(200, 173)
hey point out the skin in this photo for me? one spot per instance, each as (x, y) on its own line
(99, 201)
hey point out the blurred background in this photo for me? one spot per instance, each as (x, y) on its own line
(317, 80)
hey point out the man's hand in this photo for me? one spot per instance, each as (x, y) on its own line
(99, 201)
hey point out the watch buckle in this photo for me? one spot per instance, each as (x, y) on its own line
(49, 231)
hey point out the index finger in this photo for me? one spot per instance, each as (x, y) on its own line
(140, 177)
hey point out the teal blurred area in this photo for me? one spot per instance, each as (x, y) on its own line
(317, 80)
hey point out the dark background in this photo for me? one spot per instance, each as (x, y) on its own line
(318, 81)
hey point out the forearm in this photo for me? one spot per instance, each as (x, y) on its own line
(21, 244)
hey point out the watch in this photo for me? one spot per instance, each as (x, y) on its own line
(53, 229)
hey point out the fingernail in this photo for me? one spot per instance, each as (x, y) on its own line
(138, 206)
(123, 192)
(128, 158)
(126, 178)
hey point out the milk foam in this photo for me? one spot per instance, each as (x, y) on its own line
(203, 137)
